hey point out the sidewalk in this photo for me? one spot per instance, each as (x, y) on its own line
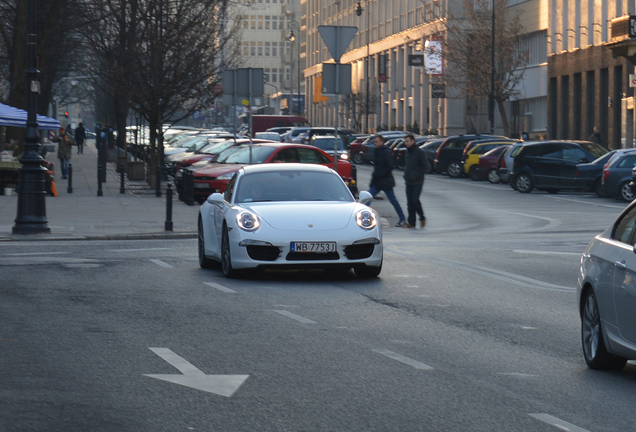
(138, 214)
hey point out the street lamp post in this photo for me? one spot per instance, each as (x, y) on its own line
(359, 11)
(292, 38)
(31, 214)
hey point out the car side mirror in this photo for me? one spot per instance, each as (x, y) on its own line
(365, 197)
(215, 198)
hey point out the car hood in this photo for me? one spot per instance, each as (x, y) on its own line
(192, 158)
(296, 216)
(217, 170)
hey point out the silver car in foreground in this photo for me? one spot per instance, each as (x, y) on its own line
(607, 295)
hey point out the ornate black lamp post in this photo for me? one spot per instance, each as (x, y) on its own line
(31, 217)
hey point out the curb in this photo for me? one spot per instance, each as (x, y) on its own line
(146, 236)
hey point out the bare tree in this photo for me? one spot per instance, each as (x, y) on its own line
(468, 46)
(356, 108)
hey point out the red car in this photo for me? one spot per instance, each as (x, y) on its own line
(489, 165)
(355, 150)
(215, 178)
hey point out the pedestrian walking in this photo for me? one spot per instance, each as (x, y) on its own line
(414, 170)
(382, 177)
(80, 137)
(64, 143)
(596, 136)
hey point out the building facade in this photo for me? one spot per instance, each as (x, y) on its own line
(392, 31)
(588, 86)
(270, 38)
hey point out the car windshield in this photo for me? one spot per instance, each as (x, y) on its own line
(327, 144)
(292, 186)
(242, 155)
(595, 149)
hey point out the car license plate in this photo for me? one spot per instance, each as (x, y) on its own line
(313, 247)
(201, 186)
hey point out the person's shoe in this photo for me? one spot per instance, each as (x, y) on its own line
(400, 224)
(407, 225)
(422, 223)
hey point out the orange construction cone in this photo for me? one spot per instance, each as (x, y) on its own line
(53, 188)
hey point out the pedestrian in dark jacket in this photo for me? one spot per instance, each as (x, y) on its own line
(382, 177)
(414, 170)
(80, 137)
(596, 136)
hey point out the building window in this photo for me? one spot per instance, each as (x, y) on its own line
(267, 22)
(274, 75)
(536, 45)
(274, 23)
(246, 49)
(253, 49)
(267, 49)
(266, 75)
(260, 22)
(274, 49)
(288, 48)
(287, 75)
(260, 49)
(253, 22)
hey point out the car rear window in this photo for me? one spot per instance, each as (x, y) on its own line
(627, 162)
(595, 149)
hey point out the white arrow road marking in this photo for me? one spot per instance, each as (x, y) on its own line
(296, 317)
(402, 359)
(223, 385)
(220, 287)
(37, 253)
(557, 422)
(138, 250)
(161, 263)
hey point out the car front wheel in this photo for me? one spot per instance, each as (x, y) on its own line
(454, 169)
(226, 256)
(474, 175)
(357, 158)
(594, 351)
(523, 183)
(598, 188)
(625, 192)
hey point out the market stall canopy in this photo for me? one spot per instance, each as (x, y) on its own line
(10, 116)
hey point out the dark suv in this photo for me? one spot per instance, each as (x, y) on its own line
(551, 165)
(449, 153)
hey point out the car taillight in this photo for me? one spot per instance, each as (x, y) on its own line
(605, 174)
(578, 173)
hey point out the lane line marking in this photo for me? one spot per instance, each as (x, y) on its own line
(407, 361)
(523, 251)
(286, 306)
(524, 375)
(295, 317)
(412, 286)
(37, 253)
(220, 287)
(161, 263)
(585, 202)
(137, 250)
(557, 422)
(529, 328)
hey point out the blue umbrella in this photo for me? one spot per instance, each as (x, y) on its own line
(10, 116)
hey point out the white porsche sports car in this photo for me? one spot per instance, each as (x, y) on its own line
(280, 216)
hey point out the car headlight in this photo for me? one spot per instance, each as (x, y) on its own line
(366, 219)
(226, 176)
(248, 221)
(344, 156)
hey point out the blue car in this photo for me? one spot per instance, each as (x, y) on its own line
(589, 175)
(617, 175)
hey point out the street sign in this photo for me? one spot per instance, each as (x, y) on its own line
(243, 82)
(329, 78)
(416, 60)
(438, 91)
(223, 385)
(337, 39)
(632, 80)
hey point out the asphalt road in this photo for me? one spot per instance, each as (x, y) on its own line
(472, 326)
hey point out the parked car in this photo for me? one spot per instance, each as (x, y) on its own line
(398, 149)
(347, 135)
(355, 149)
(504, 165)
(430, 149)
(551, 165)
(617, 174)
(606, 295)
(590, 175)
(368, 152)
(280, 130)
(472, 152)
(327, 144)
(293, 133)
(283, 207)
(214, 178)
(449, 153)
(271, 136)
(487, 167)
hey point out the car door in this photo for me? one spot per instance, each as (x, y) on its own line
(572, 156)
(624, 285)
(219, 214)
(285, 155)
(546, 165)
